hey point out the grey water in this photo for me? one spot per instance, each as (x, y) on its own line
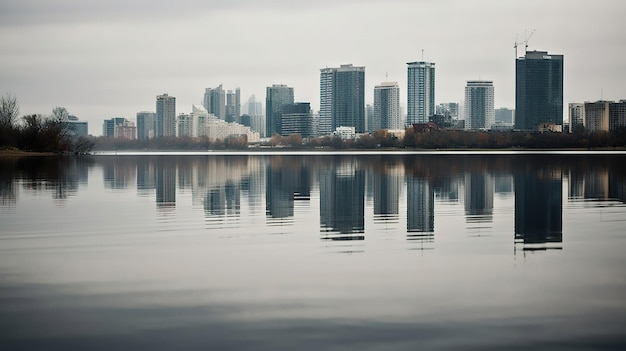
(313, 251)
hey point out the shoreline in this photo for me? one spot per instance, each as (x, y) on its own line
(322, 151)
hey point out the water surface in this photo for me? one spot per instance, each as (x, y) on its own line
(265, 252)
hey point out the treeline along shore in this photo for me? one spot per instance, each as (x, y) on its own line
(433, 139)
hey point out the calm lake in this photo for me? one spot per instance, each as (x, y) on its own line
(313, 252)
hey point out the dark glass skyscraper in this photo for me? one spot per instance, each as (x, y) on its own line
(277, 96)
(538, 90)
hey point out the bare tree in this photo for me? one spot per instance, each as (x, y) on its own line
(9, 109)
(60, 114)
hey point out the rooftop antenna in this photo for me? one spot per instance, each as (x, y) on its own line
(422, 54)
(387, 76)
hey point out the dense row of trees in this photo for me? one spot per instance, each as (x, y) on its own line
(433, 139)
(38, 132)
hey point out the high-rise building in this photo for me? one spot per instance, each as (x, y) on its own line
(215, 101)
(342, 98)
(109, 125)
(596, 116)
(325, 120)
(479, 111)
(233, 106)
(448, 109)
(538, 90)
(617, 115)
(576, 115)
(386, 107)
(371, 125)
(297, 119)
(165, 118)
(421, 92)
(145, 125)
(504, 116)
(185, 125)
(77, 127)
(277, 96)
(603, 115)
(253, 107)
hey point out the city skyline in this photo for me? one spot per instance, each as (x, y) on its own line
(107, 59)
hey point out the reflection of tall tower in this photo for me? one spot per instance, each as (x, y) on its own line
(165, 183)
(215, 203)
(386, 196)
(538, 207)
(232, 193)
(420, 205)
(146, 176)
(342, 201)
(279, 192)
(596, 184)
(479, 197)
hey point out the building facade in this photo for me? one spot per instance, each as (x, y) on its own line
(342, 98)
(617, 115)
(538, 90)
(215, 101)
(277, 96)
(297, 119)
(576, 112)
(77, 127)
(233, 106)
(596, 116)
(420, 92)
(386, 107)
(185, 126)
(108, 127)
(505, 116)
(479, 111)
(145, 125)
(165, 118)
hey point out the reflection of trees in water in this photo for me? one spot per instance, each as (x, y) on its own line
(57, 175)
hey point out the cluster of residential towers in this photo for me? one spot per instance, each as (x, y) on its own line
(538, 107)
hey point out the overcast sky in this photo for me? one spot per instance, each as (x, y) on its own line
(102, 59)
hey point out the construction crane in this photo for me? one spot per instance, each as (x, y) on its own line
(527, 39)
(518, 43)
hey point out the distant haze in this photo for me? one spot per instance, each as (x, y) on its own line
(102, 59)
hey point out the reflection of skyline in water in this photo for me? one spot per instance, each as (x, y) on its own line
(229, 187)
(539, 207)
(342, 200)
(479, 188)
(420, 209)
